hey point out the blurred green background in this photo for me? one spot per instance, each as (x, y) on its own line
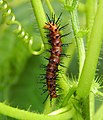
(19, 69)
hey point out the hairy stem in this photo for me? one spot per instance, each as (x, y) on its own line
(93, 51)
(25, 115)
(91, 6)
(79, 41)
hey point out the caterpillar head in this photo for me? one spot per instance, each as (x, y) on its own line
(51, 27)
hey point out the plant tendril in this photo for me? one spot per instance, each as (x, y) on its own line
(10, 19)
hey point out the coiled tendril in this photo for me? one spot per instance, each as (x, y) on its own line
(19, 29)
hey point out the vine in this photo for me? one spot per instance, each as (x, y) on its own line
(71, 7)
(11, 20)
(78, 100)
(26, 115)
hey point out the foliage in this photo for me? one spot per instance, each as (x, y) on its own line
(21, 55)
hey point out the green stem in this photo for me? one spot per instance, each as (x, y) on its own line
(40, 16)
(99, 93)
(71, 6)
(49, 6)
(93, 51)
(18, 114)
(79, 41)
(68, 96)
(25, 115)
(99, 113)
(85, 108)
(88, 107)
(91, 6)
(91, 105)
(81, 7)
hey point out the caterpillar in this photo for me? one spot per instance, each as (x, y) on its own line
(54, 36)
